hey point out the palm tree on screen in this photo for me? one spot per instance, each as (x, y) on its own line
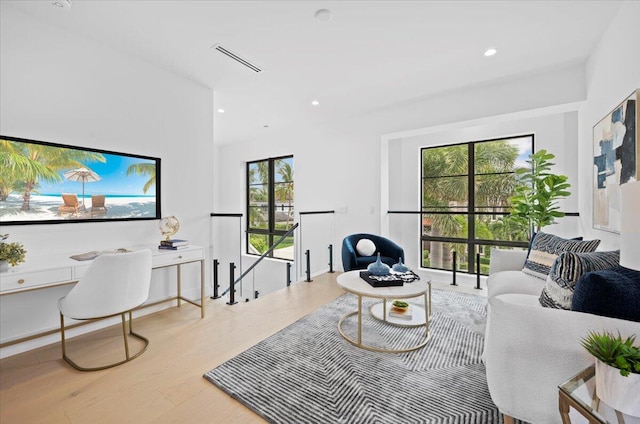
(145, 170)
(28, 164)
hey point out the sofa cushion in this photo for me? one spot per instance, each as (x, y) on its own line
(513, 282)
(365, 247)
(567, 269)
(612, 293)
(545, 248)
(506, 260)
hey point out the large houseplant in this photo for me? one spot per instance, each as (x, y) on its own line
(617, 370)
(10, 253)
(535, 203)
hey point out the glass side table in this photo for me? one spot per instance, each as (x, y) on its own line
(579, 392)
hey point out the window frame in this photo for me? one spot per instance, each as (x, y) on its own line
(271, 232)
(472, 243)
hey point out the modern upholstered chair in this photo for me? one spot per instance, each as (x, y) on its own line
(97, 205)
(114, 284)
(389, 251)
(70, 205)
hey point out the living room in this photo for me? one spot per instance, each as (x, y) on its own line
(62, 85)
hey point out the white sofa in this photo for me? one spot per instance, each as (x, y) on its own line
(530, 349)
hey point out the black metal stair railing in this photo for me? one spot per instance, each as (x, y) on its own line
(264, 255)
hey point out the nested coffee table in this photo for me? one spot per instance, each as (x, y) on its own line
(351, 282)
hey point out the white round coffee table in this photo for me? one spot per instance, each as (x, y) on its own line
(351, 282)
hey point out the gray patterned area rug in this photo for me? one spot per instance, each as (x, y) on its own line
(307, 373)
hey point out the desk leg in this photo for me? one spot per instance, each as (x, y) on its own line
(202, 288)
(179, 285)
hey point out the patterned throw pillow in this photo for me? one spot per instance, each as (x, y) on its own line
(567, 270)
(545, 248)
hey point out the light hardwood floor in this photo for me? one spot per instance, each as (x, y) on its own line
(165, 384)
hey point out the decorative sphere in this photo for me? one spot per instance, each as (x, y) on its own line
(168, 226)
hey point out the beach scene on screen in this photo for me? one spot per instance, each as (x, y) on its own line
(41, 182)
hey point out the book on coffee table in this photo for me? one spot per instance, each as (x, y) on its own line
(396, 313)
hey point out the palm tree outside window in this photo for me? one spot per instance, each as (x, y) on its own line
(465, 192)
(270, 206)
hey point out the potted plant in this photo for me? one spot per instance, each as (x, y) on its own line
(10, 253)
(617, 370)
(535, 203)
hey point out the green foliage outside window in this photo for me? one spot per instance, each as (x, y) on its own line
(447, 173)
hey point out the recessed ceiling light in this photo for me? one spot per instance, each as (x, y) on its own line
(63, 4)
(220, 110)
(490, 52)
(315, 102)
(266, 126)
(323, 15)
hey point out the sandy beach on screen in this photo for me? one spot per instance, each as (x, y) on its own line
(46, 208)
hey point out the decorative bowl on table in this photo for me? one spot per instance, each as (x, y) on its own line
(399, 305)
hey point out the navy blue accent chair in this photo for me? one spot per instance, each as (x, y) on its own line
(389, 251)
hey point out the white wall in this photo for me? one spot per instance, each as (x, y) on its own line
(613, 73)
(58, 87)
(338, 165)
(555, 132)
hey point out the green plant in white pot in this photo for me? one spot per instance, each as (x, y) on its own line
(10, 253)
(617, 370)
(535, 203)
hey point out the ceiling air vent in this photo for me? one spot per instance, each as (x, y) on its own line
(237, 58)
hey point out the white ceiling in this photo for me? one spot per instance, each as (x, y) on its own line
(370, 55)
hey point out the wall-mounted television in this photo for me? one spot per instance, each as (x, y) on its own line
(50, 183)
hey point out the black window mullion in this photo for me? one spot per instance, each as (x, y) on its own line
(471, 200)
(272, 201)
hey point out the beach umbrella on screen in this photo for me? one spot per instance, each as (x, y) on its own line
(82, 174)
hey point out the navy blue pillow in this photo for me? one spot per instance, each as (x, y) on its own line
(612, 293)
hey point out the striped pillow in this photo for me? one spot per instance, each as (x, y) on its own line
(567, 269)
(545, 248)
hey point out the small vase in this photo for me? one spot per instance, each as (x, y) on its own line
(4, 266)
(620, 392)
(378, 267)
(400, 267)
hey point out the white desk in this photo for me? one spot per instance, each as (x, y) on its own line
(56, 270)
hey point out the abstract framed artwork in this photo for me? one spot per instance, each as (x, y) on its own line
(615, 161)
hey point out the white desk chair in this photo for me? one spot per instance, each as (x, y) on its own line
(114, 284)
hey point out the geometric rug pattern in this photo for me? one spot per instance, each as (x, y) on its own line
(307, 373)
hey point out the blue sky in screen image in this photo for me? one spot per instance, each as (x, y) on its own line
(113, 179)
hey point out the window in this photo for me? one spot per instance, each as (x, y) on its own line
(465, 197)
(270, 206)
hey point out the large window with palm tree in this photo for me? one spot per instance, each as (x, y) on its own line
(270, 206)
(465, 201)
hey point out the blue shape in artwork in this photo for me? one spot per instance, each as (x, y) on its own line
(605, 161)
(616, 115)
(626, 152)
(601, 180)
